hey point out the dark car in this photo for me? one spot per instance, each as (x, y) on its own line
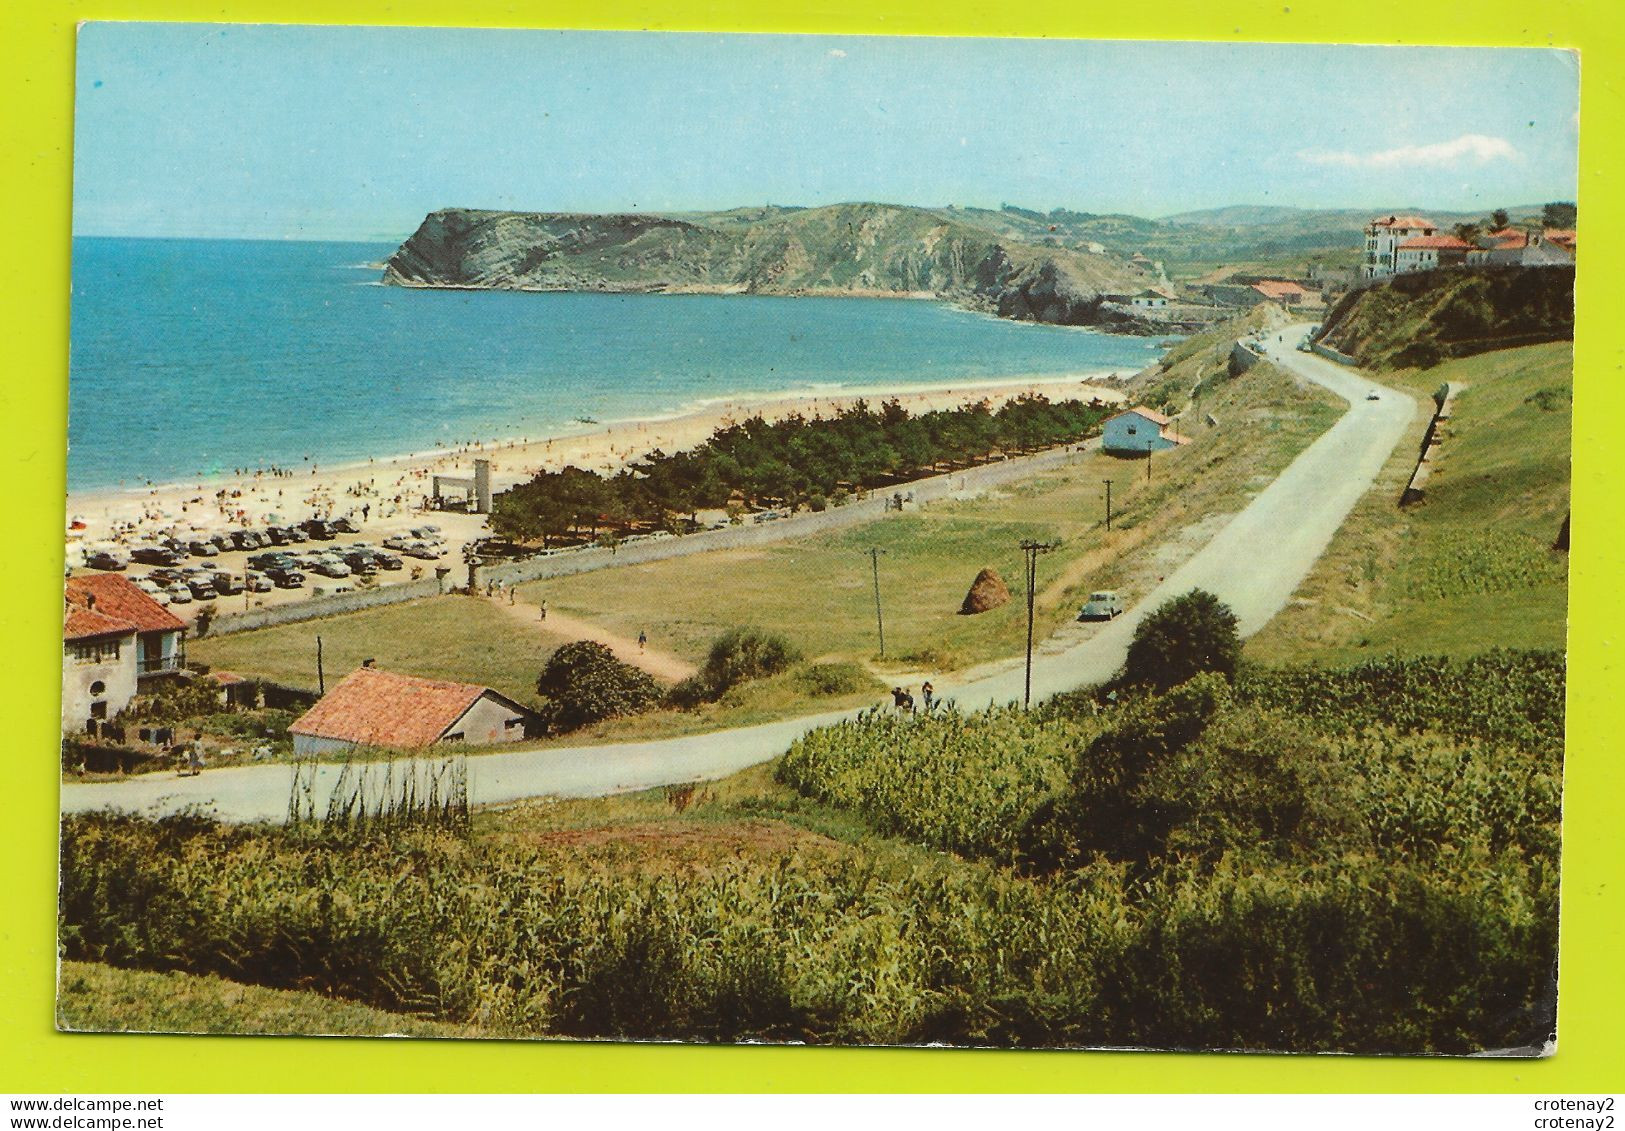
(319, 530)
(226, 585)
(167, 576)
(275, 536)
(273, 559)
(246, 539)
(256, 582)
(155, 555)
(284, 578)
(345, 526)
(201, 590)
(386, 560)
(221, 542)
(361, 561)
(296, 535)
(499, 548)
(202, 549)
(103, 559)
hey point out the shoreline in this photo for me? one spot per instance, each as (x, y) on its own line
(392, 488)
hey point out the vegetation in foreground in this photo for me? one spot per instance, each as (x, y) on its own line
(1209, 866)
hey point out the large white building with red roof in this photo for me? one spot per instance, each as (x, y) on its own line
(113, 637)
(379, 709)
(1424, 253)
(1383, 237)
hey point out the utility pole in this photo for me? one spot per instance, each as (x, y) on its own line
(321, 684)
(1032, 550)
(880, 623)
(1108, 484)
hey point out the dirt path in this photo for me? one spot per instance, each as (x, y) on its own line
(566, 628)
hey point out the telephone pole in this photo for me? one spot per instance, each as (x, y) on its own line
(321, 683)
(1032, 550)
(1108, 484)
(880, 623)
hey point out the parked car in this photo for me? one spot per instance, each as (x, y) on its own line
(1373, 395)
(155, 555)
(221, 542)
(285, 578)
(201, 590)
(361, 561)
(199, 548)
(148, 586)
(330, 567)
(386, 561)
(256, 582)
(318, 530)
(345, 526)
(248, 539)
(498, 548)
(105, 559)
(1102, 605)
(274, 536)
(179, 593)
(296, 535)
(398, 541)
(274, 558)
(226, 585)
(420, 550)
(167, 576)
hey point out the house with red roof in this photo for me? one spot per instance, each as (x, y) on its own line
(1139, 431)
(375, 708)
(1424, 253)
(113, 637)
(1280, 290)
(1383, 236)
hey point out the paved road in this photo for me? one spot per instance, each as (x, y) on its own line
(1254, 564)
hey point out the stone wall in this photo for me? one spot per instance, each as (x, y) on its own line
(327, 605)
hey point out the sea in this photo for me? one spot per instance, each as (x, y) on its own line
(195, 358)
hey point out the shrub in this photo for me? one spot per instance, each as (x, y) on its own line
(737, 656)
(584, 683)
(840, 678)
(1184, 637)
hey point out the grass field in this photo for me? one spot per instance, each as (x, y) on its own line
(93, 997)
(1470, 566)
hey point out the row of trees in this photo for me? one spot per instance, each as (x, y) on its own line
(790, 462)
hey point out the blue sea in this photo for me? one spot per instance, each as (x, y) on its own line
(197, 357)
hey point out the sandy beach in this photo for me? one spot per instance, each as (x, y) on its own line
(389, 494)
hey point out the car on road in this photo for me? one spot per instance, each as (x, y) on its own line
(1373, 395)
(284, 577)
(1103, 604)
(105, 559)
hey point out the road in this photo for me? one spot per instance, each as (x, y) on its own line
(1254, 564)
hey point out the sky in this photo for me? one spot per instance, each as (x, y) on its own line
(243, 131)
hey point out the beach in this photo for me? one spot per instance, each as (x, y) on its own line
(390, 493)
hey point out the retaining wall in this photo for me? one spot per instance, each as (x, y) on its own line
(330, 604)
(1330, 354)
(1444, 400)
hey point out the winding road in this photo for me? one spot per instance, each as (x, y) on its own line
(1254, 564)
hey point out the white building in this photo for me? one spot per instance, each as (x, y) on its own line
(113, 637)
(1424, 253)
(1382, 239)
(373, 708)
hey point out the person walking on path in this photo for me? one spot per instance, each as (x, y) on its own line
(928, 693)
(541, 608)
(643, 640)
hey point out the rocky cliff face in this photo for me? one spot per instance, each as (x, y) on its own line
(856, 249)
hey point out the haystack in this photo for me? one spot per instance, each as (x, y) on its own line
(988, 591)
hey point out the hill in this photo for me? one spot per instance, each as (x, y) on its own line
(1423, 318)
(847, 249)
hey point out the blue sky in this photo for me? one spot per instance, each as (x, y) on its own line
(303, 132)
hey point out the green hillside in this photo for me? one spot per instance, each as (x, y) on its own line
(1471, 566)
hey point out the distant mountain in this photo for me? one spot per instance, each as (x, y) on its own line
(986, 260)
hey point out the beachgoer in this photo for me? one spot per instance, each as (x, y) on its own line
(928, 693)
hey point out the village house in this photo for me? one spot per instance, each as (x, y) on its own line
(114, 636)
(1382, 239)
(1139, 431)
(1279, 291)
(1516, 247)
(374, 708)
(1424, 253)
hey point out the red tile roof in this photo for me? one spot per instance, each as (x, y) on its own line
(378, 708)
(1438, 243)
(1149, 414)
(1277, 288)
(1511, 234)
(118, 598)
(82, 624)
(1402, 222)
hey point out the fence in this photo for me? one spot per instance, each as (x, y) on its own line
(327, 605)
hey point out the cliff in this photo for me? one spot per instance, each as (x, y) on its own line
(848, 249)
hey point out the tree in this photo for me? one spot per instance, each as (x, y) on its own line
(1559, 214)
(584, 683)
(738, 655)
(1187, 635)
(1499, 219)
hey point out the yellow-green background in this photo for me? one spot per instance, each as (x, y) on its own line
(36, 81)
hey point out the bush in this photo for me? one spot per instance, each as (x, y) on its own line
(1186, 636)
(737, 656)
(584, 683)
(841, 678)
